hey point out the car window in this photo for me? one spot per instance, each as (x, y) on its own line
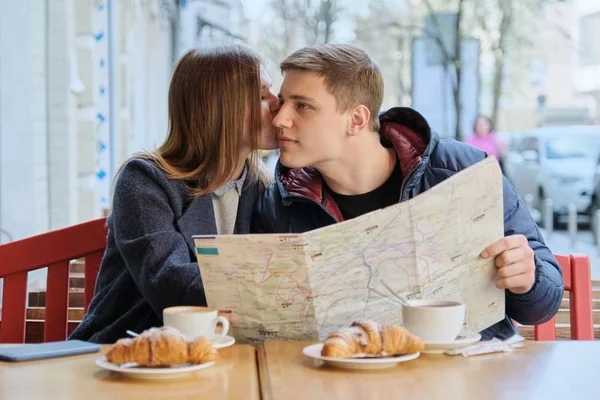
(573, 147)
(533, 144)
(524, 144)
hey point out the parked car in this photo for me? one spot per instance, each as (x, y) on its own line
(595, 202)
(557, 162)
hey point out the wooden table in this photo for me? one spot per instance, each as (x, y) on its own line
(234, 376)
(540, 370)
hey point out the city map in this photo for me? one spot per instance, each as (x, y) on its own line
(305, 286)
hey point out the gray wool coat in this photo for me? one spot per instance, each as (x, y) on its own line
(150, 263)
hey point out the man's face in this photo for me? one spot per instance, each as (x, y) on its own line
(312, 133)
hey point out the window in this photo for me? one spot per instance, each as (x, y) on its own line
(589, 40)
(534, 144)
(528, 143)
(573, 147)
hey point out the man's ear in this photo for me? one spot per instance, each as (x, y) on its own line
(359, 119)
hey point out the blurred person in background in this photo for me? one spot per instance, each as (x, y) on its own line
(484, 138)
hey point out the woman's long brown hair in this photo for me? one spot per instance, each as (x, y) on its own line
(214, 97)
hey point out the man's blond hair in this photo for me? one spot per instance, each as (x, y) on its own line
(350, 75)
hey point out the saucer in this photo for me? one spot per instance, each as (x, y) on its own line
(462, 340)
(314, 352)
(132, 370)
(225, 341)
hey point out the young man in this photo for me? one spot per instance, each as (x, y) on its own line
(339, 160)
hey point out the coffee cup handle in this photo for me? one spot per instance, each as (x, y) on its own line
(225, 322)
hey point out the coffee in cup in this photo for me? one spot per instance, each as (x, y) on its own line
(434, 320)
(196, 321)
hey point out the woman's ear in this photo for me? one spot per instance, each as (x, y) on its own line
(359, 119)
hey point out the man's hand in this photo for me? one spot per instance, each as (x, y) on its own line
(515, 262)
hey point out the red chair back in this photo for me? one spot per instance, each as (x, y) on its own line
(578, 281)
(54, 250)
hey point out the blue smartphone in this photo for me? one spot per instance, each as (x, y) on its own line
(40, 351)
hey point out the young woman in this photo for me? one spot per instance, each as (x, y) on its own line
(204, 179)
(485, 139)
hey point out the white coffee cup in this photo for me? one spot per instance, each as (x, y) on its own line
(195, 321)
(434, 320)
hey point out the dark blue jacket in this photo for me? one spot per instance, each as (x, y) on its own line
(299, 202)
(150, 263)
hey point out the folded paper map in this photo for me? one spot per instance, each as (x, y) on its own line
(305, 286)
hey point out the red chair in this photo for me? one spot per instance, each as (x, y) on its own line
(578, 281)
(53, 250)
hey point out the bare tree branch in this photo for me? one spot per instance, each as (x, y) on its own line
(317, 18)
(458, 69)
(437, 35)
(505, 7)
(451, 60)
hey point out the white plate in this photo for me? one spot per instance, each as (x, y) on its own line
(225, 341)
(132, 370)
(314, 351)
(464, 339)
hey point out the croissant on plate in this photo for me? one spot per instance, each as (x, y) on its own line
(164, 346)
(367, 338)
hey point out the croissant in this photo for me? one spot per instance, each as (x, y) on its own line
(163, 346)
(370, 339)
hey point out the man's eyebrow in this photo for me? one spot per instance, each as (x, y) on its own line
(297, 97)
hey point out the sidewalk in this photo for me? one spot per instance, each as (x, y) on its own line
(559, 242)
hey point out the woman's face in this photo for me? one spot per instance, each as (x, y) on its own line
(482, 126)
(268, 107)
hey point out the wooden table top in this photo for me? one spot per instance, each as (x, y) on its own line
(540, 370)
(233, 376)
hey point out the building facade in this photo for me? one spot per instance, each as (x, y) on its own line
(587, 54)
(83, 84)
